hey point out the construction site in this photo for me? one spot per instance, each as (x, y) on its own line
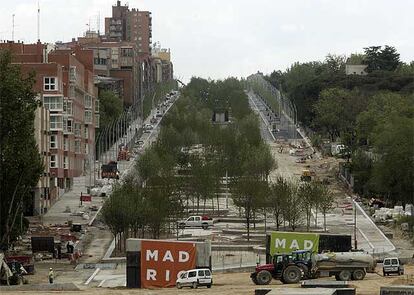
(72, 241)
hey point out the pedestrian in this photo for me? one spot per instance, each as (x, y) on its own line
(51, 275)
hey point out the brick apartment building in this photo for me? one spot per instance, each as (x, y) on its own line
(64, 83)
(130, 25)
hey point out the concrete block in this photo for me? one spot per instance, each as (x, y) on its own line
(133, 245)
(397, 290)
(324, 284)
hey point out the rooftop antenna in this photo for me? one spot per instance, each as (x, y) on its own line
(13, 27)
(99, 22)
(38, 21)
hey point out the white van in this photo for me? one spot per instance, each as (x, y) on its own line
(392, 265)
(194, 278)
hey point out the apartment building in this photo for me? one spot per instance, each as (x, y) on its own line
(117, 60)
(130, 25)
(161, 59)
(64, 83)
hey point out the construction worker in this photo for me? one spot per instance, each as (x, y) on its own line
(51, 276)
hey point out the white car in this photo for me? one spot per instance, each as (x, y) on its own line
(194, 278)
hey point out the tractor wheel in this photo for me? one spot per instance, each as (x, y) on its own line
(358, 274)
(263, 277)
(254, 280)
(292, 274)
(345, 275)
(305, 270)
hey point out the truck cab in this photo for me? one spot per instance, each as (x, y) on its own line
(392, 265)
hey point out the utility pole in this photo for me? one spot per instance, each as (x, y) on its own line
(355, 227)
(13, 27)
(38, 21)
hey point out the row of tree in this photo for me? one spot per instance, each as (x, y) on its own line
(194, 160)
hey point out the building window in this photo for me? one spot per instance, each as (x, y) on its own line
(53, 103)
(86, 133)
(78, 129)
(50, 83)
(96, 106)
(96, 120)
(126, 52)
(65, 163)
(52, 162)
(56, 122)
(77, 146)
(65, 144)
(88, 117)
(69, 126)
(88, 101)
(72, 74)
(53, 142)
(86, 149)
(67, 107)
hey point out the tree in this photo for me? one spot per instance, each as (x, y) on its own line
(309, 193)
(326, 200)
(293, 212)
(20, 162)
(280, 191)
(393, 171)
(110, 108)
(335, 63)
(378, 59)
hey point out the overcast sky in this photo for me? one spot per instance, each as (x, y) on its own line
(221, 38)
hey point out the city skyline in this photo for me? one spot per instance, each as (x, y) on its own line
(215, 39)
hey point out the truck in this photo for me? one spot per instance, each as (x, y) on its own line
(110, 170)
(286, 242)
(196, 221)
(291, 268)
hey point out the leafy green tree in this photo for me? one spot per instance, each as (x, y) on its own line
(293, 212)
(280, 191)
(335, 63)
(378, 59)
(20, 163)
(393, 171)
(325, 201)
(111, 107)
(309, 193)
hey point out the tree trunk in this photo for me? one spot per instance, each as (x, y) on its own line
(324, 221)
(218, 205)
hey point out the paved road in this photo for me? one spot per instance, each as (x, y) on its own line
(369, 236)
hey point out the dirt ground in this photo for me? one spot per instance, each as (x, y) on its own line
(240, 283)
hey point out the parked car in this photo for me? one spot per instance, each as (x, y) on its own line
(154, 120)
(196, 221)
(159, 114)
(392, 265)
(194, 278)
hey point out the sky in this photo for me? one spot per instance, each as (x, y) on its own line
(221, 38)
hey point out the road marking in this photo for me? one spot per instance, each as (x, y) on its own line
(101, 283)
(261, 115)
(92, 276)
